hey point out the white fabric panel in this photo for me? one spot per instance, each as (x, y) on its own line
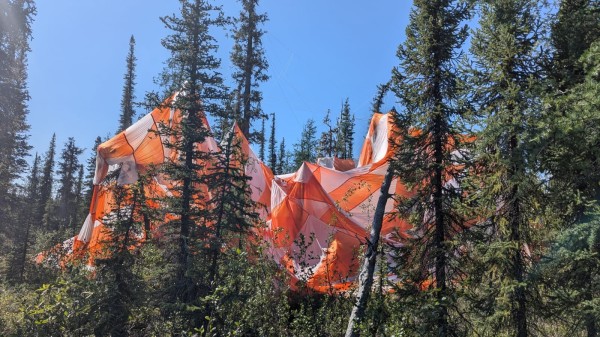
(137, 132)
(86, 230)
(380, 139)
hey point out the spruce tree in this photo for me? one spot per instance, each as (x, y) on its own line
(46, 183)
(345, 132)
(570, 130)
(576, 26)
(233, 214)
(305, 149)
(272, 147)
(67, 216)
(503, 79)
(194, 69)
(248, 57)
(282, 165)
(327, 144)
(23, 232)
(127, 110)
(15, 33)
(426, 83)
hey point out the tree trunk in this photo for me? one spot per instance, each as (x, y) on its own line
(520, 311)
(439, 234)
(247, 114)
(365, 279)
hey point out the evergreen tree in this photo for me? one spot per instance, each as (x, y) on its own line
(505, 187)
(193, 67)
(305, 149)
(426, 84)
(232, 214)
(282, 158)
(570, 131)
(576, 26)
(46, 183)
(127, 111)
(248, 57)
(327, 144)
(15, 32)
(115, 278)
(23, 232)
(272, 147)
(345, 132)
(67, 215)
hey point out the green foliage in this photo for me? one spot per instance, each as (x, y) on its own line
(305, 149)
(248, 58)
(273, 147)
(127, 101)
(345, 133)
(426, 158)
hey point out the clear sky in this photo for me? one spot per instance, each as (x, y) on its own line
(319, 51)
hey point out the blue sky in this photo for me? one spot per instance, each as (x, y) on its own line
(319, 51)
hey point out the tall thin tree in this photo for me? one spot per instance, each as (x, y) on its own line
(272, 146)
(249, 59)
(128, 98)
(192, 68)
(426, 84)
(503, 79)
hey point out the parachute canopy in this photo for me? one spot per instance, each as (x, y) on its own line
(316, 218)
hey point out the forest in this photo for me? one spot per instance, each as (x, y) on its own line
(494, 139)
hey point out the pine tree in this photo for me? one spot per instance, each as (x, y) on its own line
(272, 147)
(127, 110)
(426, 83)
(345, 132)
(193, 68)
(503, 78)
(305, 149)
(15, 33)
(46, 183)
(251, 65)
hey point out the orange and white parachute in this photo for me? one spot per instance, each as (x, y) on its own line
(317, 217)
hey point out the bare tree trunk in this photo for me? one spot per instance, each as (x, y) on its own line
(365, 278)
